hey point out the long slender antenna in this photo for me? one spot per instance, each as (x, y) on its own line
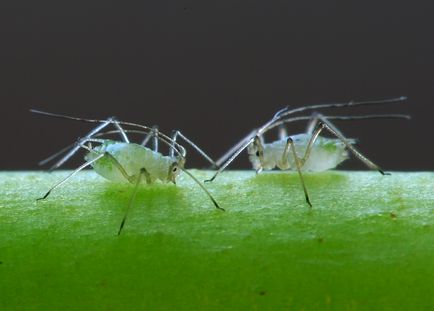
(342, 118)
(180, 149)
(204, 189)
(340, 105)
(55, 155)
(102, 121)
(196, 147)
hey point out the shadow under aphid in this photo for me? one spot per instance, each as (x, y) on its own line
(283, 178)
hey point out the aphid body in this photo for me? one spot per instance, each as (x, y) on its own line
(134, 157)
(307, 151)
(124, 161)
(325, 154)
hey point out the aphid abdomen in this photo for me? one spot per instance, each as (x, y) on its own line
(326, 153)
(132, 157)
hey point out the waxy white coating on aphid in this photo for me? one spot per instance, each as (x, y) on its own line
(326, 153)
(133, 157)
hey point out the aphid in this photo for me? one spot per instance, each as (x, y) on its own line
(306, 151)
(124, 161)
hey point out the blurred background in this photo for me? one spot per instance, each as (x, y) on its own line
(215, 70)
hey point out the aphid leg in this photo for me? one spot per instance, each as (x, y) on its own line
(77, 147)
(229, 157)
(55, 155)
(204, 189)
(121, 131)
(174, 136)
(177, 133)
(332, 129)
(231, 151)
(312, 140)
(290, 145)
(312, 123)
(115, 162)
(150, 135)
(258, 142)
(155, 138)
(143, 171)
(71, 175)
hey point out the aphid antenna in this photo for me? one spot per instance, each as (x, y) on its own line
(247, 142)
(285, 112)
(341, 105)
(55, 115)
(279, 122)
(173, 144)
(342, 118)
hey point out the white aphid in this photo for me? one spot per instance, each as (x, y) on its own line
(123, 161)
(306, 151)
(325, 154)
(133, 157)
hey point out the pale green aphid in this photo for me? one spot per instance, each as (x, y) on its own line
(132, 158)
(124, 161)
(306, 151)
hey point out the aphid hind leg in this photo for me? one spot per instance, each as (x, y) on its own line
(290, 145)
(81, 167)
(333, 130)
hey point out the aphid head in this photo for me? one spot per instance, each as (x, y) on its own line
(254, 155)
(174, 169)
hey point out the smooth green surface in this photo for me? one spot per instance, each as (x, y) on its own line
(368, 243)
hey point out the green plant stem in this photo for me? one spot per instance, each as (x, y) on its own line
(367, 243)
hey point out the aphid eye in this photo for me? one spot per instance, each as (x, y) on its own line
(257, 153)
(174, 169)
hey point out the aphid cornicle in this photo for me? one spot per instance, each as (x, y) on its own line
(306, 151)
(124, 161)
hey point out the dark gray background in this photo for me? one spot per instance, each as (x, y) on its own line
(215, 69)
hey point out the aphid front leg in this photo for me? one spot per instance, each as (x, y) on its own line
(333, 130)
(298, 165)
(256, 152)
